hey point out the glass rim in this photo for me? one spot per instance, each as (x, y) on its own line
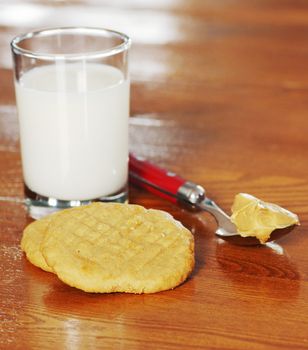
(51, 31)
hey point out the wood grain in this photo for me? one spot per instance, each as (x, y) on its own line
(219, 95)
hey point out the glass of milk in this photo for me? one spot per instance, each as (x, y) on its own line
(72, 96)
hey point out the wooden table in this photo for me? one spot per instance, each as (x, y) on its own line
(219, 95)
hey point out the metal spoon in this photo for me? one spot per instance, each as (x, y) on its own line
(171, 186)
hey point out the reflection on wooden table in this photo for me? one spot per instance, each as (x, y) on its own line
(219, 95)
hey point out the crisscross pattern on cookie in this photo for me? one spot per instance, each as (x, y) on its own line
(118, 248)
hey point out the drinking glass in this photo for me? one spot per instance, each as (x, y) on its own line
(72, 96)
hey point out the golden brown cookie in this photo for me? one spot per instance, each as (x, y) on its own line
(31, 241)
(111, 247)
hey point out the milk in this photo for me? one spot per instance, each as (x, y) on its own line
(74, 130)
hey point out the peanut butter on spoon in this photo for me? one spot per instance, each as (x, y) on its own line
(256, 218)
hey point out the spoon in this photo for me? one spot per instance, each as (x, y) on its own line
(168, 185)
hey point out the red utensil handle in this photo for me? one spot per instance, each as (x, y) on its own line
(153, 178)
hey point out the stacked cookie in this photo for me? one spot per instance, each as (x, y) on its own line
(112, 247)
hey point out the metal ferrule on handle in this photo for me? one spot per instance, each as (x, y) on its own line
(191, 193)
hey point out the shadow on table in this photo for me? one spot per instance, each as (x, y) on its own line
(265, 270)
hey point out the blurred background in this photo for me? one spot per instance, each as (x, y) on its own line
(235, 68)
